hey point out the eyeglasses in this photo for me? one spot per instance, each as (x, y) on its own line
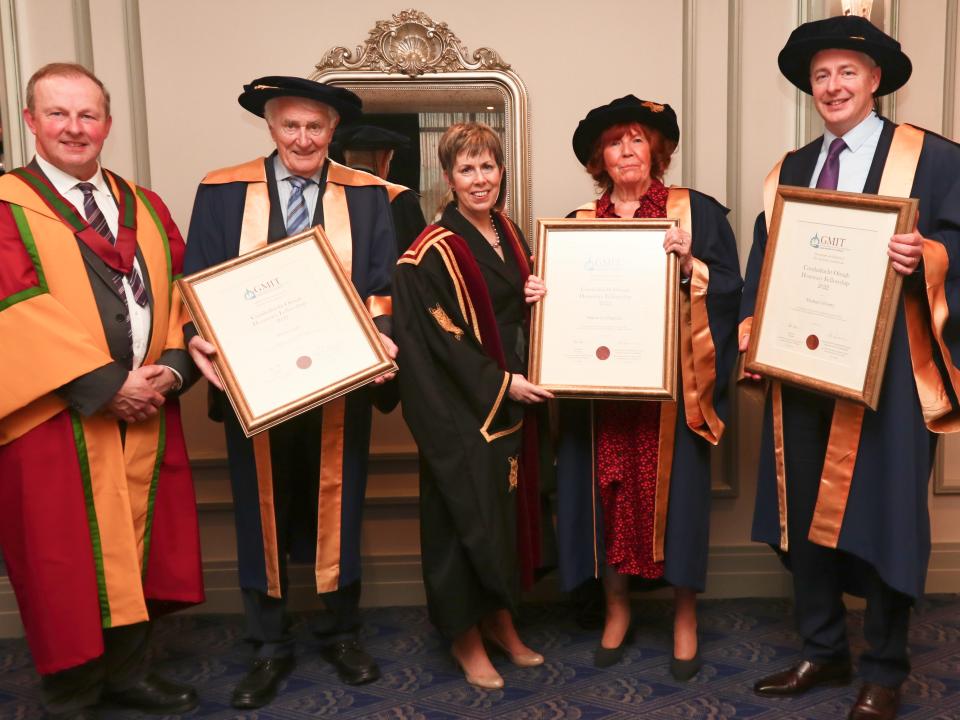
(314, 129)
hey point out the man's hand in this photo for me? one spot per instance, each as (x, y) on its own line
(534, 289)
(391, 347)
(201, 351)
(136, 400)
(679, 241)
(905, 252)
(165, 379)
(524, 391)
(744, 344)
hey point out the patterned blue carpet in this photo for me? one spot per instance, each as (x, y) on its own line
(742, 640)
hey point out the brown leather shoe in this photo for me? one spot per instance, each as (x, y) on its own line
(876, 702)
(803, 676)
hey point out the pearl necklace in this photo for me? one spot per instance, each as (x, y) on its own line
(494, 245)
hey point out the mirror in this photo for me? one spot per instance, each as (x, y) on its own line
(415, 77)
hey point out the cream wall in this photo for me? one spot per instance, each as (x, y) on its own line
(175, 68)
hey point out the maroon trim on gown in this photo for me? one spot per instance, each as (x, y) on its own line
(626, 437)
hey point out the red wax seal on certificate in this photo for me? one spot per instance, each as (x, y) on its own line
(813, 342)
(603, 352)
(304, 361)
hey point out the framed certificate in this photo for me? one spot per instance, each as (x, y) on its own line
(828, 294)
(607, 326)
(290, 330)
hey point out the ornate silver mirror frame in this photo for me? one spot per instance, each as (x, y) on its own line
(412, 64)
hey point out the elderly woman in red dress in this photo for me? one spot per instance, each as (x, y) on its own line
(634, 477)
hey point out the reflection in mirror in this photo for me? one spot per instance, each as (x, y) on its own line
(416, 78)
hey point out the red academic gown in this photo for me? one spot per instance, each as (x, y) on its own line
(98, 523)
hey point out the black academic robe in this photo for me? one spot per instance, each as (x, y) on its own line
(886, 521)
(458, 348)
(408, 220)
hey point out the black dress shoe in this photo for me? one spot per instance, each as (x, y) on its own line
(803, 676)
(259, 686)
(683, 670)
(156, 695)
(876, 702)
(354, 666)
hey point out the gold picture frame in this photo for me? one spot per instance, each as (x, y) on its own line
(290, 329)
(826, 301)
(608, 325)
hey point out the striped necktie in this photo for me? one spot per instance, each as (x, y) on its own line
(99, 223)
(297, 217)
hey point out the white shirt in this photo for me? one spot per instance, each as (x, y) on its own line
(311, 191)
(856, 158)
(66, 185)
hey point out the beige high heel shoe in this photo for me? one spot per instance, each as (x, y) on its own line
(524, 659)
(485, 682)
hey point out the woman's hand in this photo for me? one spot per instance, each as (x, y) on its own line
(524, 391)
(534, 290)
(679, 241)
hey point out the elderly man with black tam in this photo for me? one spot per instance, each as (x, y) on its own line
(842, 490)
(314, 465)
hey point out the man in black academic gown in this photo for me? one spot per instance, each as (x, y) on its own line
(371, 149)
(847, 508)
(237, 210)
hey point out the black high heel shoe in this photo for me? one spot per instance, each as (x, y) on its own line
(605, 657)
(683, 670)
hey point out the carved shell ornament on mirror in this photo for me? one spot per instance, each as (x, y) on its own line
(412, 44)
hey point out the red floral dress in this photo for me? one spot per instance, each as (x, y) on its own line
(626, 437)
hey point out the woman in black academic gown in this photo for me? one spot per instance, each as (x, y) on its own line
(460, 323)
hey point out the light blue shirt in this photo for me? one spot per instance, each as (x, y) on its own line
(310, 193)
(856, 159)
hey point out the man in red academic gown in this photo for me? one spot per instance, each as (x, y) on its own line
(98, 522)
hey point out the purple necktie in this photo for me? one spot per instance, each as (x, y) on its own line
(99, 223)
(830, 173)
